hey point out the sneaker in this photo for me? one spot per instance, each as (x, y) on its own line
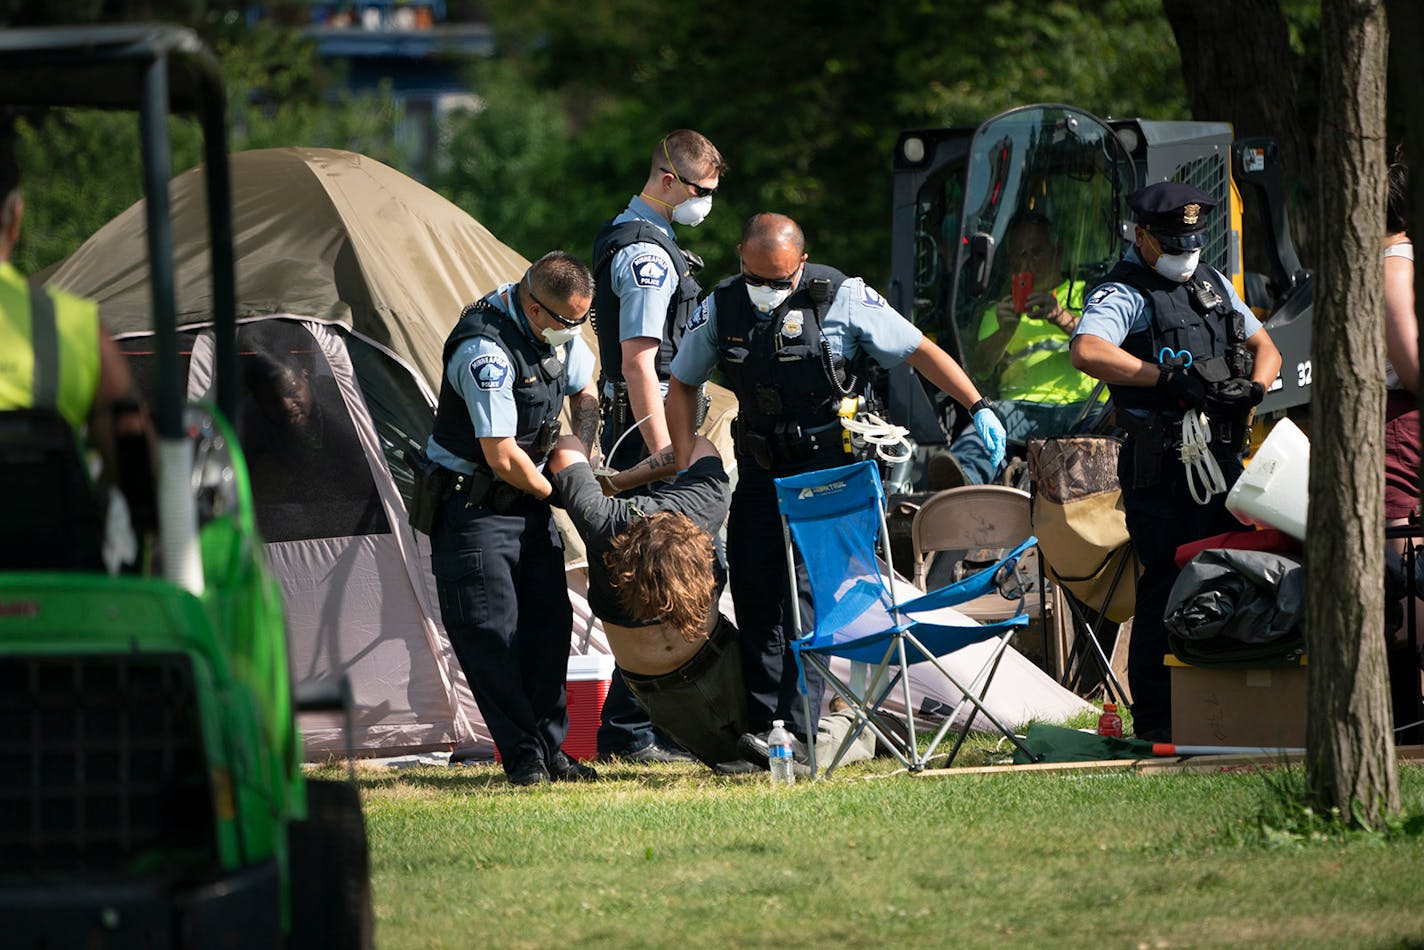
(532, 774)
(563, 768)
(753, 748)
(652, 752)
(737, 767)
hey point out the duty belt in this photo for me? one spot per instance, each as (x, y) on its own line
(435, 484)
(787, 444)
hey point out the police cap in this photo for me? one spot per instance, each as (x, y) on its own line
(1174, 212)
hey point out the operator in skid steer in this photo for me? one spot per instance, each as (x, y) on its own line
(1023, 342)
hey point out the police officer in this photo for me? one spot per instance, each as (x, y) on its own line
(645, 291)
(1170, 337)
(495, 551)
(793, 340)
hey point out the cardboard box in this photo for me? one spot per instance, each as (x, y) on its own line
(1261, 707)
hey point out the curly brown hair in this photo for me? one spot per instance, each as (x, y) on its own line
(661, 567)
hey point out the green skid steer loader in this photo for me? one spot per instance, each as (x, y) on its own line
(151, 789)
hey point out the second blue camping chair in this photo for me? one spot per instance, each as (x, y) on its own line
(835, 517)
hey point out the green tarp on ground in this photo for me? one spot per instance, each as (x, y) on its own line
(1057, 744)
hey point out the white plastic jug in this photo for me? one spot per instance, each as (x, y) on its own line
(1272, 492)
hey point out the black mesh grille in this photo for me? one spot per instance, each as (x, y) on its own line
(1209, 174)
(102, 770)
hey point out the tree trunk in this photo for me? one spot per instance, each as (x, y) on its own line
(1238, 67)
(1350, 746)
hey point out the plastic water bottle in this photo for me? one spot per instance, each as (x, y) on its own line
(778, 752)
(1110, 723)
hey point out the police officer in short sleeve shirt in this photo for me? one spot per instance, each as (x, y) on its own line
(764, 329)
(645, 291)
(510, 362)
(1169, 335)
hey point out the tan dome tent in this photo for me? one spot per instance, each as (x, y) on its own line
(349, 277)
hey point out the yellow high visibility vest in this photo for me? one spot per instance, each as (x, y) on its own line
(49, 355)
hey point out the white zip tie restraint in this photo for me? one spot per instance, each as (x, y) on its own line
(1201, 466)
(875, 431)
(603, 471)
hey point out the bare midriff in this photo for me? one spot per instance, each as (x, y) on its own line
(654, 650)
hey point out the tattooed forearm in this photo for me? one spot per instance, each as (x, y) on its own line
(658, 461)
(583, 416)
(658, 465)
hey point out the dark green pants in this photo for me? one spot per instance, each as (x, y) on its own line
(702, 704)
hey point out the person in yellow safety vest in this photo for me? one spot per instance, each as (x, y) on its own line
(1023, 344)
(54, 352)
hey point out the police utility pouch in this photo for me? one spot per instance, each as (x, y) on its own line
(432, 486)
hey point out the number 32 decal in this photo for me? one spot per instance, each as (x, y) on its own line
(1302, 374)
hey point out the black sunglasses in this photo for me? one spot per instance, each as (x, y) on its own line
(564, 320)
(1177, 244)
(701, 191)
(774, 283)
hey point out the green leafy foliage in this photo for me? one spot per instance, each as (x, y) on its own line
(82, 166)
(805, 104)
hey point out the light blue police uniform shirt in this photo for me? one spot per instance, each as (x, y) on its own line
(482, 374)
(1114, 311)
(858, 321)
(643, 277)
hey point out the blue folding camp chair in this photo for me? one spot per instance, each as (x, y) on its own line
(835, 517)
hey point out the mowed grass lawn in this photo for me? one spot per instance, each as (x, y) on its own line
(672, 856)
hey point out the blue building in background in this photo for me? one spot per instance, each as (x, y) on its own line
(409, 44)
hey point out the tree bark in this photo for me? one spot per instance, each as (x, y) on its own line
(1350, 746)
(1238, 67)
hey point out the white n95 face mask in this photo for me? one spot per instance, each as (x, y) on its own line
(558, 336)
(693, 211)
(1178, 267)
(767, 299)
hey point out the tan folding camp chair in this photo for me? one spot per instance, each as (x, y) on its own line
(959, 530)
(1078, 518)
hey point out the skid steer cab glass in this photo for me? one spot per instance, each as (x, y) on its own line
(1036, 220)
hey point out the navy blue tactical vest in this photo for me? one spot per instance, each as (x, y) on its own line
(611, 239)
(774, 363)
(538, 384)
(1181, 323)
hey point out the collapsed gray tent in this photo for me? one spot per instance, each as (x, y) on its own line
(349, 276)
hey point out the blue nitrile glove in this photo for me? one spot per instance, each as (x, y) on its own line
(991, 430)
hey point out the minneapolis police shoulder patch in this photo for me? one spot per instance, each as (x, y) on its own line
(490, 371)
(870, 298)
(699, 319)
(649, 270)
(1101, 294)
